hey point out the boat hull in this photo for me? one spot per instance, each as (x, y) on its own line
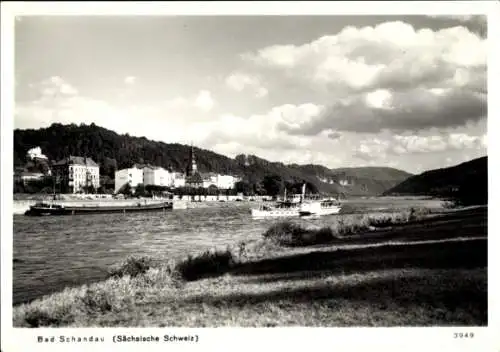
(257, 213)
(320, 212)
(82, 210)
(319, 208)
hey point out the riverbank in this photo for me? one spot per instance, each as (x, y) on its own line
(419, 272)
(20, 206)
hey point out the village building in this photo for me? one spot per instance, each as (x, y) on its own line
(27, 177)
(76, 174)
(157, 176)
(36, 153)
(179, 179)
(219, 181)
(132, 176)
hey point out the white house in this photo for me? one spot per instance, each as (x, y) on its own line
(77, 172)
(132, 176)
(344, 182)
(226, 181)
(179, 179)
(220, 181)
(36, 153)
(27, 177)
(209, 179)
(158, 176)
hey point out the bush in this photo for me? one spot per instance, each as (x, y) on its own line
(209, 263)
(284, 233)
(290, 234)
(60, 315)
(399, 218)
(133, 266)
(96, 300)
(113, 295)
(344, 228)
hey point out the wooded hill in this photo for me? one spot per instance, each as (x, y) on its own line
(113, 152)
(467, 181)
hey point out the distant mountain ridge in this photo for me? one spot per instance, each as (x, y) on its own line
(113, 151)
(469, 179)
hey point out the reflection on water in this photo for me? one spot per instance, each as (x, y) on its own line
(53, 252)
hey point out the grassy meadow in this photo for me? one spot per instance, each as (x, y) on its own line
(406, 269)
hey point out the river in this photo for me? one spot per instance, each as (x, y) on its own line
(51, 253)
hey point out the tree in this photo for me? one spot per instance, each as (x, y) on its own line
(140, 190)
(272, 185)
(212, 190)
(258, 189)
(126, 189)
(19, 187)
(472, 192)
(108, 167)
(90, 189)
(243, 187)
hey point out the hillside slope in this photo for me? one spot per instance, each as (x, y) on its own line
(468, 179)
(359, 181)
(113, 151)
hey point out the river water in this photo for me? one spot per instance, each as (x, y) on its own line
(50, 253)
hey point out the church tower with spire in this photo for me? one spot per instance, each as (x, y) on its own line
(191, 167)
(193, 177)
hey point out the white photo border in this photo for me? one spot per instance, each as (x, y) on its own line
(336, 339)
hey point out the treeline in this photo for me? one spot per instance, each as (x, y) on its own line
(114, 152)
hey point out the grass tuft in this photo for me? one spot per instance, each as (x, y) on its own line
(96, 300)
(285, 233)
(132, 267)
(207, 264)
(39, 316)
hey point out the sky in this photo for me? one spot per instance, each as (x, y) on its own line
(401, 91)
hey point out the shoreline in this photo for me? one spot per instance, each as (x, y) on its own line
(20, 206)
(445, 250)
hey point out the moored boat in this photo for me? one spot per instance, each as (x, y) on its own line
(299, 205)
(280, 209)
(41, 209)
(320, 207)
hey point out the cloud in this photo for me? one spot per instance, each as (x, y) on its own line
(387, 55)
(240, 81)
(257, 130)
(204, 101)
(179, 119)
(409, 110)
(261, 92)
(129, 80)
(55, 86)
(414, 144)
(170, 118)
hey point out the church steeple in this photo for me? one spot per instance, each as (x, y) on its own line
(191, 168)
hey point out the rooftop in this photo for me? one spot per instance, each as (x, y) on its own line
(27, 173)
(76, 160)
(195, 178)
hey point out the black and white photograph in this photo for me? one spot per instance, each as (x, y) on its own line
(248, 171)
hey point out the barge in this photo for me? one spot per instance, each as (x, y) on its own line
(42, 209)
